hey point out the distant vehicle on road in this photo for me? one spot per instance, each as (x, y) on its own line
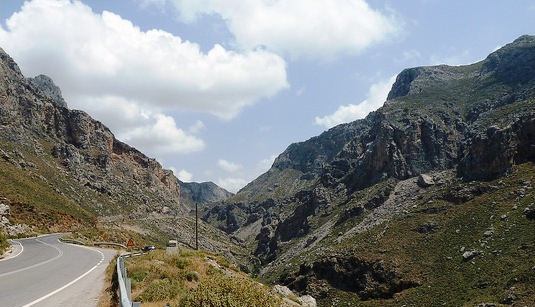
(148, 248)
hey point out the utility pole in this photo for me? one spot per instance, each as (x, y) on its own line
(196, 226)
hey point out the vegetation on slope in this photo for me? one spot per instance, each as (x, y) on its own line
(428, 246)
(3, 243)
(194, 278)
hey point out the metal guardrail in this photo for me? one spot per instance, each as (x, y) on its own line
(109, 244)
(125, 286)
(71, 241)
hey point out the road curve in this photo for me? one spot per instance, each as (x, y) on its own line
(50, 273)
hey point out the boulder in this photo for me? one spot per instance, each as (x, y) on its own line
(425, 181)
(307, 301)
(471, 254)
(529, 212)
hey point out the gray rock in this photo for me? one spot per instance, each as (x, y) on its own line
(425, 180)
(307, 301)
(488, 233)
(283, 290)
(529, 212)
(48, 88)
(471, 254)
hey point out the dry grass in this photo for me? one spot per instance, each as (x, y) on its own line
(3, 243)
(192, 278)
(108, 297)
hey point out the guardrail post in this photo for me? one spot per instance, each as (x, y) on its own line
(125, 284)
(129, 288)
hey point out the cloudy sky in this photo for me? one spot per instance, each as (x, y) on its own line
(216, 89)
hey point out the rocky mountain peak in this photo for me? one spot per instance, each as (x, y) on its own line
(202, 193)
(513, 63)
(48, 88)
(8, 67)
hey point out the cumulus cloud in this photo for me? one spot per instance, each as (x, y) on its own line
(231, 184)
(92, 54)
(228, 166)
(144, 128)
(196, 127)
(347, 113)
(265, 164)
(184, 176)
(163, 137)
(297, 27)
(129, 79)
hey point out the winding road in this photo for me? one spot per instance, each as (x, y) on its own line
(45, 272)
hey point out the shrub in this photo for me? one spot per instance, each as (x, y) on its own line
(159, 290)
(3, 243)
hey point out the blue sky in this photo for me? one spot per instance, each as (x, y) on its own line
(283, 70)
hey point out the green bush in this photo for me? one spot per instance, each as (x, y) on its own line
(159, 290)
(221, 290)
(3, 243)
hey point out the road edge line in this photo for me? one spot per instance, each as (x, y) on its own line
(68, 284)
(9, 257)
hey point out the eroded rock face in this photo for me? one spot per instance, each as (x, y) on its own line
(48, 88)
(7, 226)
(202, 193)
(367, 279)
(33, 113)
(493, 154)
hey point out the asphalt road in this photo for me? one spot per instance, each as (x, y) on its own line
(45, 272)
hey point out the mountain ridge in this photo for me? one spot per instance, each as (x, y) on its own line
(63, 171)
(455, 124)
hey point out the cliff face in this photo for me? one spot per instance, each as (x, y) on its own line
(33, 114)
(474, 122)
(202, 193)
(61, 170)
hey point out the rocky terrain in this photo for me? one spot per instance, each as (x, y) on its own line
(61, 170)
(421, 194)
(427, 201)
(201, 193)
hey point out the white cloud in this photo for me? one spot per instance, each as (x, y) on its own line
(228, 166)
(376, 97)
(455, 58)
(265, 164)
(162, 137)
(196, 127)
(145, 128)
(232, 184)
(316, 28)
(183, 175)
(92, 55)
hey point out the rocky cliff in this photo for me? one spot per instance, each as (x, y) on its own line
(202, 193)
(61, 170)
(452, 124)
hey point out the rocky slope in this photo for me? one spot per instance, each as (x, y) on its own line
(201, 193)
(324, 197)
(62, 170)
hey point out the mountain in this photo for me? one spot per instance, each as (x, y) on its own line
(427, 199)
(61, 170)
(202, 193)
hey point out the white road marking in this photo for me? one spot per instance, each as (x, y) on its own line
(60, 253)
(70, 283)
(20, 252)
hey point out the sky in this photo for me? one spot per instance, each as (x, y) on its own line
(216, 89)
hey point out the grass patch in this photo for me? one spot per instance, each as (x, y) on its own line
(194, 278)
(4, 244)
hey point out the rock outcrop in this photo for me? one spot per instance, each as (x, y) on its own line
(67, 171)
(202, 193)
(475, 121)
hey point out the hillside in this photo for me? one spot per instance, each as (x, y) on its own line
(201, 193)
(427, 199)
(61, 170)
